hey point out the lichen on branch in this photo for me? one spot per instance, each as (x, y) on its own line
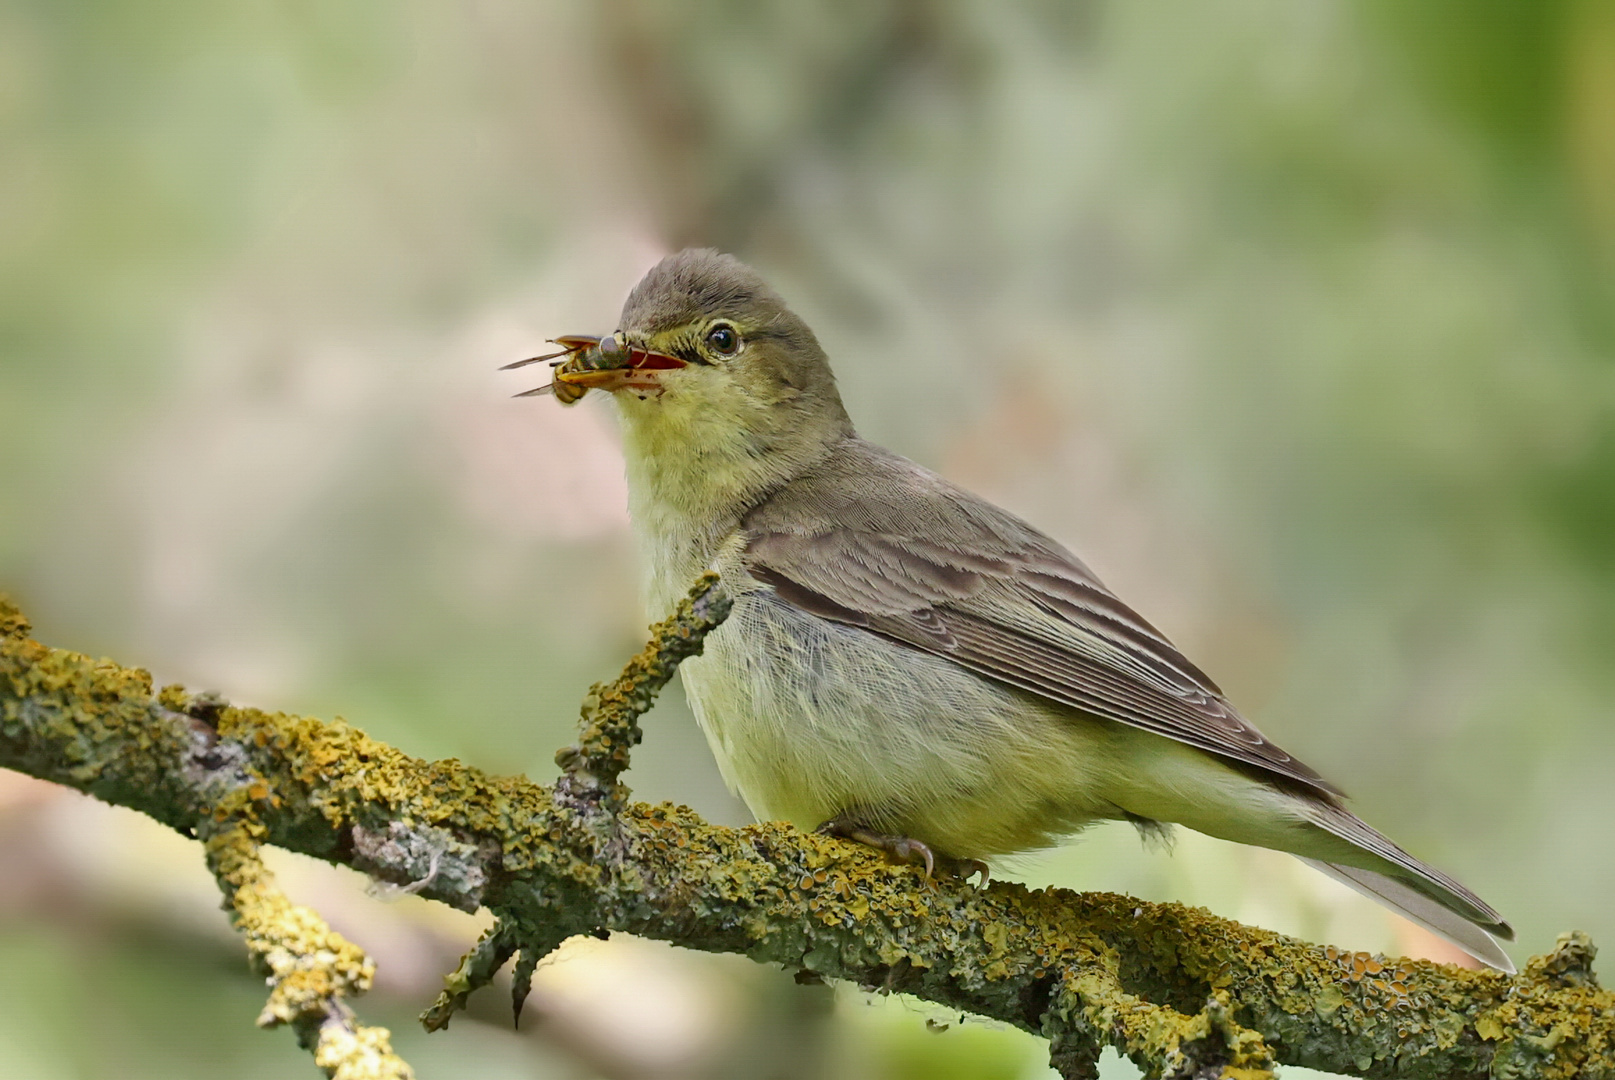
(310, 968)
(1179, 991)
(610, 724)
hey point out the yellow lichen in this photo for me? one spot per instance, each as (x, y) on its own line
(362, 1053)
(310, 968)
(1156, 980)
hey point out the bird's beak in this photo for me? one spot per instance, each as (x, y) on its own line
(589, 363)
(642, 371)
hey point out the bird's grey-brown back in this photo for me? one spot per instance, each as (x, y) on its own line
(904, 655)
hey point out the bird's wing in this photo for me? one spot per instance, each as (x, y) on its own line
(873, 540)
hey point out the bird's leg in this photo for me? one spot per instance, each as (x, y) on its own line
(904, 848)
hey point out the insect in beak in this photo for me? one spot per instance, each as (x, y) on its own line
(589, 363)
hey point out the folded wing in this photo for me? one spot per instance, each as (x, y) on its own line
(900, 552)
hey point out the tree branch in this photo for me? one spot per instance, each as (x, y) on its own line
(1179, 991)
(309, 967)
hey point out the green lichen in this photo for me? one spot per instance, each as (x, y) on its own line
(1176, 988)
(609, 729)
(13, 623)
(477, 969)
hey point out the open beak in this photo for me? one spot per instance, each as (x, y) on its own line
(641, 372)
(589, 363)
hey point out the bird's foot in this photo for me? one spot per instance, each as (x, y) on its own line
(906, 849)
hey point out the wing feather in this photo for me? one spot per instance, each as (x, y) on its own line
(878, 542)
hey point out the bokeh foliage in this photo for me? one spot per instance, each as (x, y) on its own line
(1294, 318)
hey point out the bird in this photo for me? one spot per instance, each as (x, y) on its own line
(905, 664)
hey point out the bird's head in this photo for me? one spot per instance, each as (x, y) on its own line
(708, 361)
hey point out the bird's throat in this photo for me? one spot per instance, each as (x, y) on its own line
(693, 471)
(689, 481)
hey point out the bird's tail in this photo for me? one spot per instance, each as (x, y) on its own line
(1440, 920)
(1422, 893)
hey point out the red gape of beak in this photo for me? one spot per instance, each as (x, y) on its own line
(590, 363)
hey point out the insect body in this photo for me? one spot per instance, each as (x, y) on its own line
(585, 362)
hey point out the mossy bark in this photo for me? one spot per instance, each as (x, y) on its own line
(1178, 990)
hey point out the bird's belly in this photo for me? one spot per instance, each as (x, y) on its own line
(811, 719)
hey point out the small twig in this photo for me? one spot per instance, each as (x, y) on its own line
(477, 969)
(311, 969)
(609, 727)
(591, 788)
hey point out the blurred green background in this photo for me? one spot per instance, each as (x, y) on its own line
(1296, 318)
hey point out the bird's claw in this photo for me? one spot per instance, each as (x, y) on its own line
(906, 849)
(965, 869)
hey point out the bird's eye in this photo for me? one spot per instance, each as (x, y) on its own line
(723, 340)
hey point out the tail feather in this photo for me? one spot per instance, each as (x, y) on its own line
(1177, 784)
(1412, 873)
(1438, 918)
